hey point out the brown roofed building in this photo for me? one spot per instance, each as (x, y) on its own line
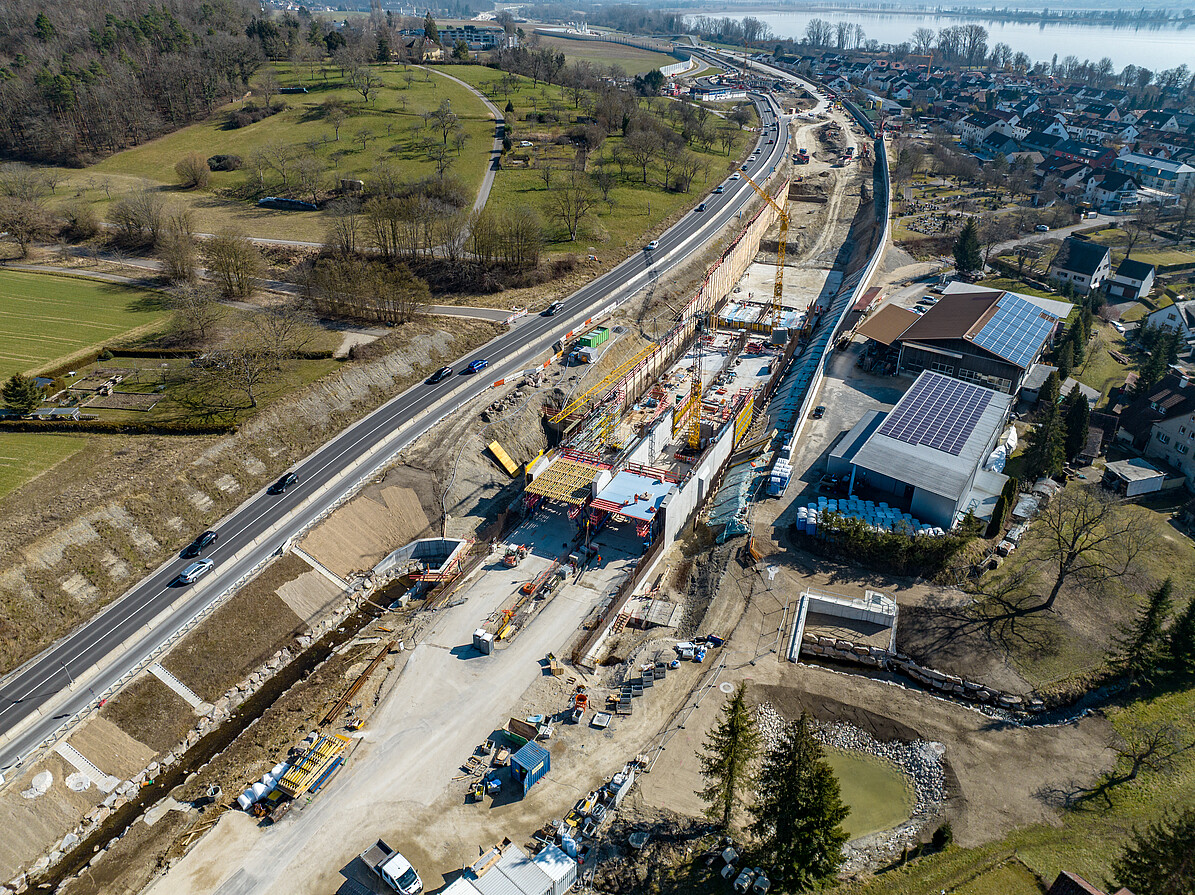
(887, 324)
(1070, 884)
(986, 336)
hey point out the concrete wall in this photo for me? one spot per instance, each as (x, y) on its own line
(649, 446)
(680, 505)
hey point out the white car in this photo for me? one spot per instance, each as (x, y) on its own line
(1118, 326)
(526, 143)
(736, 176)
(195, 571)
(654, 244)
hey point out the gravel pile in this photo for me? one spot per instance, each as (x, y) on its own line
(920, 761)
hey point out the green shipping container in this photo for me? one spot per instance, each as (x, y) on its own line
(595, 337)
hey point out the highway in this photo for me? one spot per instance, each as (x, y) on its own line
(69, 677)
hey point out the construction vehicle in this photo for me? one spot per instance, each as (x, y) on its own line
(778, 289)
(515, 553)
(393, 869)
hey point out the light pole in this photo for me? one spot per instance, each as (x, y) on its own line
(69, 676)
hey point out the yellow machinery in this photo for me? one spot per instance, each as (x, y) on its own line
(778, 289)
(599, 390)
(312, 765)
(695, 394)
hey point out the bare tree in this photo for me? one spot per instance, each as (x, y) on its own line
(235, 261)
(545, 173)
(1084, 536)
(24, 221)
(196, 314)
(444, 119)
(572, 204)
(192, 171)
(344, 232)
(310, 171)
(176, 246)
(282, 331)
(268, 85)
(139, 217)
(365, 81)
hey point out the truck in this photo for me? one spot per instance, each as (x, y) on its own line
(393, 869)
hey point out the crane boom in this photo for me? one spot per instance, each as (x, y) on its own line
(778, 288)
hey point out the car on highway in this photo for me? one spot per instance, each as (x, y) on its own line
(195, 571)
(736, 176)
(654, 244)
(719, 189)
(818, 412)
(742, 167)
(440, 375)
(552, 309)
(477, 366)
(200, 544)
(283, 483)
(701, 207)
(1042, 228)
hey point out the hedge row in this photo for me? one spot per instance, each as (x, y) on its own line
(114, 427)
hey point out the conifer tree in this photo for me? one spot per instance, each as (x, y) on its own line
(967, 254)
(1160, 860)
(1076, 415)
(21, 394)
(799, 811)
(730, 753)
(1142, 646)
(1181, 641)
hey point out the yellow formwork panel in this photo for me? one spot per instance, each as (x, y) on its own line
(313, 763)
(566, 480)
(502, 457)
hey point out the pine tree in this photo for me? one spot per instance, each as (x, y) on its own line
(1066, 360)
(430, 31)
(1160, 860)
(730, 753)
(799, 812)
(1043, 453)
(1076, 415)
(967, 255)
(1078, 341)
(1181, 641)
(21, 395)
(1050, 391)
(1142, 646)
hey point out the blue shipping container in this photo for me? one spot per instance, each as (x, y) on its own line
(529, 764)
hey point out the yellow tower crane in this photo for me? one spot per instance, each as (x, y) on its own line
(778, 289)
(695, 393)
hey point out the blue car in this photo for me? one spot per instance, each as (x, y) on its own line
(477, 366)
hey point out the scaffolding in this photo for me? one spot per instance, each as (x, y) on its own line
(599, 390)
(566, 480)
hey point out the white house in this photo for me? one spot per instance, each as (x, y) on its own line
(1085, 265)
(976, 128)
(1158, 173)
(1179, 316)
(1132, 280)
(1110, 191)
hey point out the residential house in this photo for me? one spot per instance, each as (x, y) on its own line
(475, 36)
(1132, 280)
(1179, 317)
(1040, 141)
(1088, 153)
(976, 128)
(1157, 173)
(1069, 883)
(1159, 119)
(1085, 265)
(1170, 402)
(1110, 191)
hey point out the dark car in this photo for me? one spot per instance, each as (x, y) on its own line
(200, 544)
(477, 366)
(550, 310)
(440, 375)
(283, 483)
(701, 207)
(818, 412)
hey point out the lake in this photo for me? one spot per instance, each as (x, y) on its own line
(1153, 48)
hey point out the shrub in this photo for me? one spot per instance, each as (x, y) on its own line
(192, 171)
(224, 163)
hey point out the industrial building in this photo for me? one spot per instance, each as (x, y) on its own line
(989, 337)
(928, 453)
(507, 870)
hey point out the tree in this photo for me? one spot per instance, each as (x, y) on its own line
(1077, 339)
(799, 811)
(923, 41)
(21, 394)
(1142, 644)
(1160, 860)
(1066, 360)
(365, 81)
(430, 31)
(572, 203)
(192, 171)
(730, 753)
(444, 120)
(25, 221)
(196, 314)
(1076, 415)
(460, 52)
(967, 257)
(268, 85)
(177, 245)
(1084, 536)
(235, 261)
(1180, 640)
(1045, 444)
(139, 217)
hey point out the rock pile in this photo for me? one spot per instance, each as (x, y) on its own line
(920, 761)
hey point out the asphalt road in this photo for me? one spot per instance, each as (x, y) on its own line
(38, 698)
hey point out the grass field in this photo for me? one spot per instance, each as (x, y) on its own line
(1099, 369)
(24, 455)
(384, 130)
(634, 209)
(605, 54)
(876, 792)
(46, 318)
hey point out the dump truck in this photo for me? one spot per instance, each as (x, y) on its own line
(394, 870)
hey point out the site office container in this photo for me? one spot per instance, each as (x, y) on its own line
(595, 337)
(559, 867)
(529, 764)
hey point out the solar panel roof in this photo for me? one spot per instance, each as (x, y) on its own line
(1016, 330)
(937, 412)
